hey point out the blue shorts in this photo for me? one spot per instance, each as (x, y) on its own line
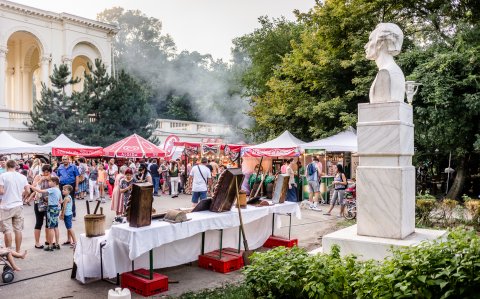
(68, 221)
(199, 195)
(52, 216)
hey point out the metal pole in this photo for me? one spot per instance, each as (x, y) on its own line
(448, 174)
(273, 222)
(151, 264)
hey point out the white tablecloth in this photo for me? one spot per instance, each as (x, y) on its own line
(174, 244)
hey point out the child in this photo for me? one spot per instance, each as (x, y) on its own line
(67, 214)
(53, 210)
(101, 180)
(10, 255)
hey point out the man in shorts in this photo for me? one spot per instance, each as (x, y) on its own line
(13, 188)
(201, 180)
(313, 178)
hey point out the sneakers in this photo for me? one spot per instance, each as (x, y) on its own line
(56, 246)
(103, 200)
(315, 208)
(48, 248)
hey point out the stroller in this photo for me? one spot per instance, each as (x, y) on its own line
(351, 202)
(7, 274)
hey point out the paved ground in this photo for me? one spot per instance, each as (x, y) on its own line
(308, 230)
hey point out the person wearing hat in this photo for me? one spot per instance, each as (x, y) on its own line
(201, 180)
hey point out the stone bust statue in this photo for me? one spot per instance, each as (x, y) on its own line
(384, 43)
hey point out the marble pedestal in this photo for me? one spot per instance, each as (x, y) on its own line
(385, 185)
(366, 247)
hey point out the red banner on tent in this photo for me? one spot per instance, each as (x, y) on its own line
(83, 152)
(271, 152)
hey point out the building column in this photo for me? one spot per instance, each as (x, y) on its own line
(68, 62)
(44, 65)
(26, 89)
(3, 71)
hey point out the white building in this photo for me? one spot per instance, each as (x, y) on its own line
(190, 131)
(32, 41)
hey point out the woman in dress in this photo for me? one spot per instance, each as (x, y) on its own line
(112, 172)
(117, 198)
(126, 187)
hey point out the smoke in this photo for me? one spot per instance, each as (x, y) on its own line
(208, 85)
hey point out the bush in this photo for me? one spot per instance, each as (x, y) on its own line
(473, 208)
(448, 207)
(441, 269)
(423, 208)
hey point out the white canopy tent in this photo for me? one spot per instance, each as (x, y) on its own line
(62, 145)
(11, 145)
(285, 145)
(345, 141)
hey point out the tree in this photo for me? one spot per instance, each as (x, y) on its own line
(55, 112)
(112, 108)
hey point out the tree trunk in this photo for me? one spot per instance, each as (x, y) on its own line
(457, 186)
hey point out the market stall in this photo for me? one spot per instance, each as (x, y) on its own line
(337, 149)
(11, 145)
(173, 244)
(62, 145)
(133, 146)
(269, 156)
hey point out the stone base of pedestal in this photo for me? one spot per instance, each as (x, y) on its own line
(372, 247)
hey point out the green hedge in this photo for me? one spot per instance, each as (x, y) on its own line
(440, 269)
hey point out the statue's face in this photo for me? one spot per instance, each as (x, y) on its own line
(371, 46)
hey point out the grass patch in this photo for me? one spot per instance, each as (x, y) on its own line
(236, 291)
(345, 223)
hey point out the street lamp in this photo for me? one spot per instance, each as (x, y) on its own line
(411, 88)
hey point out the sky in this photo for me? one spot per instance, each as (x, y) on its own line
(206, 26)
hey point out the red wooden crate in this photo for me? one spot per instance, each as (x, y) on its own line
(144, 286)
(274, 241)
(229, 262)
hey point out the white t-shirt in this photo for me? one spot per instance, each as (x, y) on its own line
(199, 184)
(13, 184)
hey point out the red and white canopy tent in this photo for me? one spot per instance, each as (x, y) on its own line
(133, 146)
(284, 146)
(62, 145)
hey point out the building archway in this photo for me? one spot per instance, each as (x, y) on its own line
(83, 53)
(22, 65)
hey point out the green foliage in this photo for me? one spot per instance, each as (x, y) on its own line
(54, 113)
(277, 273)
(225, 292)
(444, 268)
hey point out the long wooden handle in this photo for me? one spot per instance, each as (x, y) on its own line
(88, 207)
(258, 172)
(96, 207)
(245, 243)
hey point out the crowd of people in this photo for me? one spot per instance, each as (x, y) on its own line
(53, 188)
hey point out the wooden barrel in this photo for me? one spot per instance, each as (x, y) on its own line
(94, 225)
(242, 198)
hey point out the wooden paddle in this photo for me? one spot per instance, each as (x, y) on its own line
(247, 252)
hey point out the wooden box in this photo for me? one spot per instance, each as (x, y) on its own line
(139, 209)
(226, 192)
(280, 188)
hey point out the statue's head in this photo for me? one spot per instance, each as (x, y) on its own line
(386, 37)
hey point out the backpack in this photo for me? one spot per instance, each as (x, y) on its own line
(311, 169)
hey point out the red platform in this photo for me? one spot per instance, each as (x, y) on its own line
(144, 286)
(231, 260)
(274, 241)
